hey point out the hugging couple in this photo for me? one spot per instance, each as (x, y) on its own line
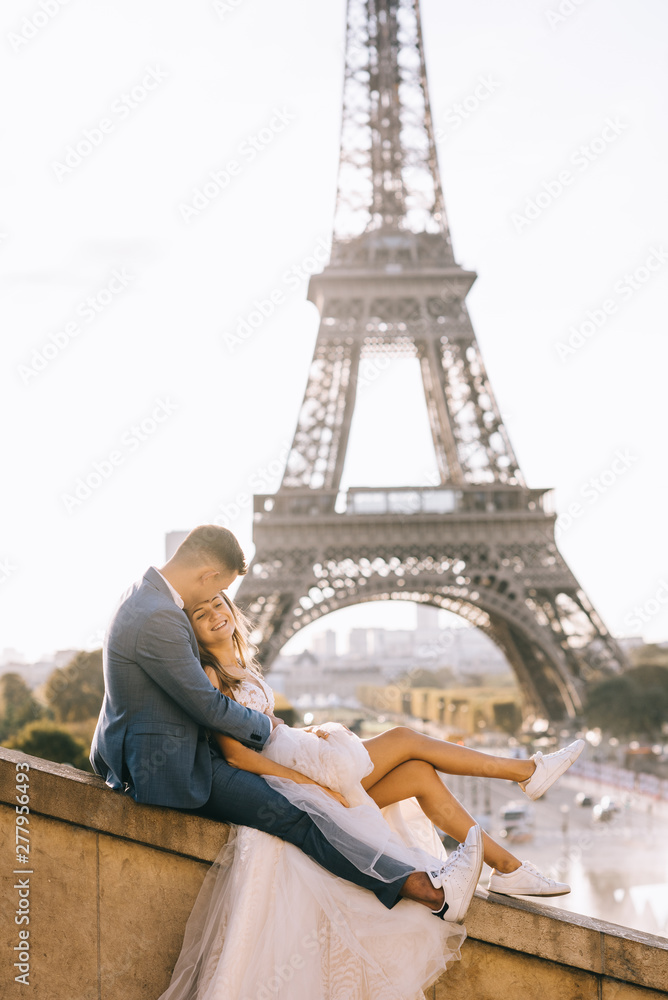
(332, 871)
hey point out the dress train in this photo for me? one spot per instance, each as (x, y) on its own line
(271, 924)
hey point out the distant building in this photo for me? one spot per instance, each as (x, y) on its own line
(307, 676)
(34, 674)
(376, 642)
(324, 645)
(469, 650)
(428, 633)
(11, 656)
(400, 643)
(357, 643)
(378, 655)
(427, 618)
(462, 711)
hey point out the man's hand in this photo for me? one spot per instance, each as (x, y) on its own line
(320, 733)
(335, 795)
(275, 721)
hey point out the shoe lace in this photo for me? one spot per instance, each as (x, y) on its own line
(536, 871)
(451, 859)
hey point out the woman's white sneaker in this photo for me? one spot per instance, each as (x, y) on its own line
(526, 881)
(549, 767)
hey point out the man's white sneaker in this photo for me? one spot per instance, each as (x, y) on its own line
(458, 877)
(526, 881)
(549, 767)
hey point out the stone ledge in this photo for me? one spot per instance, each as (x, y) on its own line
(572, 939)
(488, 972)
(89, 802)
(618, 961)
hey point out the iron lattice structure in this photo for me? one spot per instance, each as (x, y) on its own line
(477, 541)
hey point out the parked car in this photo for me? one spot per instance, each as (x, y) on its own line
(605, 811)
(517, 822)
(515, 812)
(484, 820)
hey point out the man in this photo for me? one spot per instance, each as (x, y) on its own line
(150, 739)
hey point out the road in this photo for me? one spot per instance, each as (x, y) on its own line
(618, 871)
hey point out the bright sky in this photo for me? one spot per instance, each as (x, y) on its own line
(140, 382)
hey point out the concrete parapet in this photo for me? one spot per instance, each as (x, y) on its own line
(112, 883)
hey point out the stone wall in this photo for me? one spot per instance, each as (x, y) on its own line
(110, 885)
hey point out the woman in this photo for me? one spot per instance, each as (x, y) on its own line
(310, 935)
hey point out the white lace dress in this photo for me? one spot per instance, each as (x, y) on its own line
(271, 924)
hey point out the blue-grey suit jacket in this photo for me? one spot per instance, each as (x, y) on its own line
(150, 740)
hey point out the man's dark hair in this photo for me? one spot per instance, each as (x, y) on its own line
(209, 543)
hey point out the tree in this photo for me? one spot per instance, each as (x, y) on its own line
(50, 742)
(75, 692)
(633, 704)
(17, 705)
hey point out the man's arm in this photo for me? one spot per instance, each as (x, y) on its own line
(163, 650)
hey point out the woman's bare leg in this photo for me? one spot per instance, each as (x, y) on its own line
(398, 746)
(420, 779)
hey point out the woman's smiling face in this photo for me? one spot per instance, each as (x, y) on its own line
(212, 621)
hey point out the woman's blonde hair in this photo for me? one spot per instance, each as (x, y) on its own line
(244, 649)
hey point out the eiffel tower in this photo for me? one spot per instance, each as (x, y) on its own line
(475, 541)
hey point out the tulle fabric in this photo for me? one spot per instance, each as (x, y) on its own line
(271, 924)
(360, 832)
